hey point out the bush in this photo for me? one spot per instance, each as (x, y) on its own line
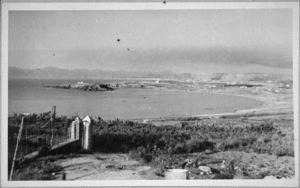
(40, 170)
(125, 136)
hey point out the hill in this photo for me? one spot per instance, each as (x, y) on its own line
(59, 73)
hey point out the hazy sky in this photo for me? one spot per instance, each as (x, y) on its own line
(177, 40)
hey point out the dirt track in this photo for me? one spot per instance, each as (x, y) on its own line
(98, 166)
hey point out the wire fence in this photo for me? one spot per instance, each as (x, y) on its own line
(38, 131)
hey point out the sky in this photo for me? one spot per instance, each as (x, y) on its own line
(193, 41)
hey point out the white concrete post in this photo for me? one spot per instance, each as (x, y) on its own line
(72, 130)
(77, 122)
(87, 136)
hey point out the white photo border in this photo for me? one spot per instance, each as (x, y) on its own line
(6, 7)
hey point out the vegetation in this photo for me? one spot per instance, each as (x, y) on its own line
(124, 136)
(155, 143)
(35, 134)
(39, 170)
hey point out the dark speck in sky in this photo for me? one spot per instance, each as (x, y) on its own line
(164, 2)
(53, 54)
(128, 49)
(118, 40)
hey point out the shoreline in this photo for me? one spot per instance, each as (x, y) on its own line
(211, 116)
(266, 106)
(269, 102)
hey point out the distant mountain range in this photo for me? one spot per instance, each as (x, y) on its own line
(59, 73)
(250, 77)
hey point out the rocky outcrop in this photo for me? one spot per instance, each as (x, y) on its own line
(86, 87)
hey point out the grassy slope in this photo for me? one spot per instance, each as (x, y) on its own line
(152, 143)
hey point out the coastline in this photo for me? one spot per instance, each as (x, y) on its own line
(266, 101)
(270, 104)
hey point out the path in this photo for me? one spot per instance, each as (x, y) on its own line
(98, 166)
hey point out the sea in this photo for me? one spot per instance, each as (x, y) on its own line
(31, 96)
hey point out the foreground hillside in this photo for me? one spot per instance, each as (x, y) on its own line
(240, 146)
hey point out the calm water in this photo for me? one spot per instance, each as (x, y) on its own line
(31, 96)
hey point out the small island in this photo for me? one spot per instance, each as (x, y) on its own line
(87, 86)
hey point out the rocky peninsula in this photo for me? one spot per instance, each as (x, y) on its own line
(86, 86)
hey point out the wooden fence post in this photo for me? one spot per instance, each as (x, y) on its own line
(64, 176)
(52, 124)
(26, 136)
(16, 149)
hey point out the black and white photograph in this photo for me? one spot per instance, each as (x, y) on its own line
(198, 93)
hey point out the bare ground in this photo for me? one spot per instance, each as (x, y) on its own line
(99, 166)
(257, 166)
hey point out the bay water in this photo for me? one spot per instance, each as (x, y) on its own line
(32, 96)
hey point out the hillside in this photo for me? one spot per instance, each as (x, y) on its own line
(59, 73)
